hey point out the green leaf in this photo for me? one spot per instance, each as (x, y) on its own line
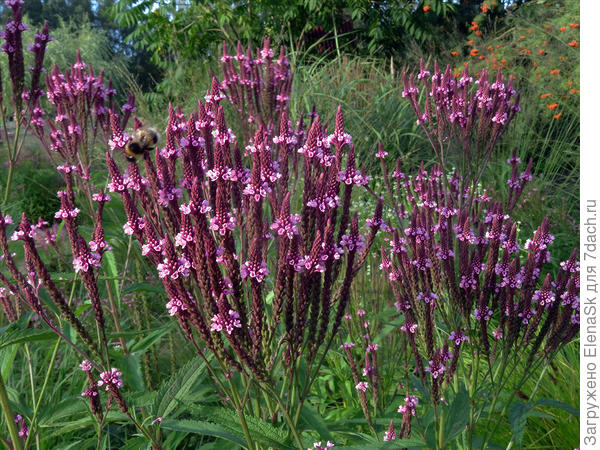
(458, 416)
(109, 257)
(556, 404)
(203, 428)
(143, 287)
(176, 388)
(261, 431)
(314, 420)
(517, 416)
(136, 443)
(71, 406)
(132, 372)
(398, 443)
(269, 297)
(145, 343)
(7, 357)
(85, 423)
(27, 335)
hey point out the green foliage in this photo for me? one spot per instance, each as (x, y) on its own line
(35, 191)
(175, 33)
(94, 46)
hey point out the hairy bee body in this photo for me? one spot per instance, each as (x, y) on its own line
(143, 140)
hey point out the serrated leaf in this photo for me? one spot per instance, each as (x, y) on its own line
(132, 372)
(145, 343)
(315, 421)
(7, 357)
(27, 335)
(175, 388)
(203, 428)
(556, 404)
(143, 287)
(137, 443)
(261, 431)
(85, 423)
(457, 416)
(109, 257)
(54, 411)
(517, 416)
(398, 443)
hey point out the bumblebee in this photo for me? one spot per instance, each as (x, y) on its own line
(143, 140)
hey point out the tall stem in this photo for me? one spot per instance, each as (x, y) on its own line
(9, 178)
(239, 407)
(39, 399)
(9, 416)
(473, 391)
(286, 416)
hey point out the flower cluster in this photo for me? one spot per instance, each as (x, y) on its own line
(223, 209)
(255, 83)
(459, 111)
(464, 263)
(81, 102)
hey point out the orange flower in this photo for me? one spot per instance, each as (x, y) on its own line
(562, 58)
(541, 52)
(527, 51)
(563, 28)
(529, 31)
(552, 106)
(426, 8)
(521, 37)
(535, 64)
(547, 27)
(574, 25)
(557, 116)
(454, 53)
(554, 72)
(478, 33)
(545, 95)
(570, 83)
(470, 42)
(574, 91)
(498, 46)
(503, 61)
(573, 43)
(490, 48)
(481, 57)
(474, 52)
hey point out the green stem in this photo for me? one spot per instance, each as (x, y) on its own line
(473, 390)
(9, 416)
(441, 430)
(39, 399)
(9, 178)
(240, 411)
(286, 416)
(514, 393)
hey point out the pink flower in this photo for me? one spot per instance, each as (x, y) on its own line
(111, 378)
(254, 269)
(362, 386)
(228, 323)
